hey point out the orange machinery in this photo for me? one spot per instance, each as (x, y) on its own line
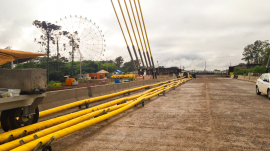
(98, 75)
(69, 81)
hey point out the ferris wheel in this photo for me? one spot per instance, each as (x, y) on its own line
(81, 38)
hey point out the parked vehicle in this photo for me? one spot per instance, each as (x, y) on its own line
(263, 85)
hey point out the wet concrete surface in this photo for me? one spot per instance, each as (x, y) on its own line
(207, 113)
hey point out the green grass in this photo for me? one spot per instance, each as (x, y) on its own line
(110, 83)
(51, 86)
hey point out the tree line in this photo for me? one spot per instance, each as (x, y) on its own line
(257, 53)
(87, 66)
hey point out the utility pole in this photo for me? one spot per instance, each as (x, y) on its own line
(158, 67)
(107, 64)
(205, 66)
(48, 55)
(57, 55)
(11, 63)
(72, 57)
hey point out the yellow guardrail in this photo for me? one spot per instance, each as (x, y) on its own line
(66, 131)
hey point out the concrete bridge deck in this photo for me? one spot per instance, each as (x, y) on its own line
(207, 113)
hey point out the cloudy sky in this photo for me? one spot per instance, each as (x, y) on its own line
(186, 32)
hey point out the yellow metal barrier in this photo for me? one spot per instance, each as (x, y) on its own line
(61, 133)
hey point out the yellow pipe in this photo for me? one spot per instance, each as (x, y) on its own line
(26, 139)
(45, 124)
(74, 104)
(74, 128)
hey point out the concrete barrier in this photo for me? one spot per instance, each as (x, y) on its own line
(61, 97)
(253, 78)
(132, 84)
(155, 81)
(93, 91)
(246, 78)
(107, 89)
(81, 93)
(122, 86)
(241, 77)
(147, 82)
(135, 84)
(140, 83)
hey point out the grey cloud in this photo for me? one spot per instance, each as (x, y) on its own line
(179, 31)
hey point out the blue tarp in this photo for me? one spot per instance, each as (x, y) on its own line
(120, 72)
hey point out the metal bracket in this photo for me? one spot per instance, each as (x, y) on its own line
(141, 102)
(103, 112)
(147, 87)
(163, 93)
(46, 147)
(9, 138)
(22, 142)
(23, 134)
(128, 93)
(107, 111)
(50, 141)
(38, 146)
(35, 136)
(85, 103)
(125, 100)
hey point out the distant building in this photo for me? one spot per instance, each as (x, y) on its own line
(168, 71)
